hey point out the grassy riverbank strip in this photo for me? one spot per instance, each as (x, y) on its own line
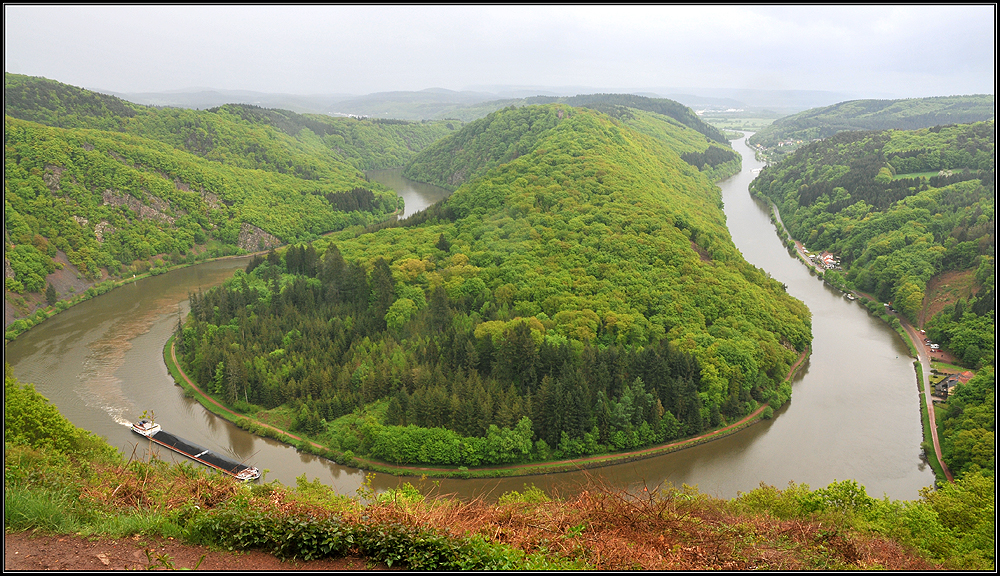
(250, 423)
(22, 325)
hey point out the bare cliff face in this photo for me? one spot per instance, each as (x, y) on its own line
(253, 239)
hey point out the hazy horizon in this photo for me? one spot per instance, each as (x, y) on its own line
(868, 51)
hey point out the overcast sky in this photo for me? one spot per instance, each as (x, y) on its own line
(868, 51)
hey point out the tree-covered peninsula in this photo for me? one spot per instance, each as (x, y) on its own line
(112, 188)
(578, 293)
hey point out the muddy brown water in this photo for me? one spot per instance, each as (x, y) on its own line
(854, 412)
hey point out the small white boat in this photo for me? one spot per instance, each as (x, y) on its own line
(251, 473)
(145, 427)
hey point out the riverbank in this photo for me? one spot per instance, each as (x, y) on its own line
(528, 469)
(907, 333)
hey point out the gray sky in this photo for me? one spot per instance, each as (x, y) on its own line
(868, 51)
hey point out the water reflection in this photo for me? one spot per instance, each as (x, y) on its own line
(416, 195)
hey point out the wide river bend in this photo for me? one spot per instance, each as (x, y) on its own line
(854, 412)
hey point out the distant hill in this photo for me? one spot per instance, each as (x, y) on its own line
(905, 114)
(486, 143)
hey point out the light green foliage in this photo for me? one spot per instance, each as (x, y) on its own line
(954, 524)
(29, 419)
(405, 494)
(967, 509)
(118, 186)
(531, 495)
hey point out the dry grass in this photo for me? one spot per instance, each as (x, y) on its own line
(946, 288)
(660, 529)
(606, 527)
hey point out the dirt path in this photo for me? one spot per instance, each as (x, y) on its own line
(549, 466)
(24, 551)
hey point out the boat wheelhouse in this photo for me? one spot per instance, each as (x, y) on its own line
(145, 427)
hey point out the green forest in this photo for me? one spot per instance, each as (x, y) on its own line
(900, 208)
(903, 114)
(579, 293)
(120, 188)
(495, 140)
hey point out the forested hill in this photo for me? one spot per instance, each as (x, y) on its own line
(505, 135)
(904, 114)
(113, 188)
(583, 296)
(617, 104)
(307, 145)
(899, 208)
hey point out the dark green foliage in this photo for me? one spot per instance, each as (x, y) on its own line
(56, 104)
(353, 201)
(713, 156)
(968, 428)
(308, 538)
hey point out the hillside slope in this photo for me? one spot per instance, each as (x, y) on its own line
(504, 135)
(900, 207)
(115, 188)
(903, 114)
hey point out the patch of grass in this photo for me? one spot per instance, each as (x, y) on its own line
(37, 509)
(945, 367)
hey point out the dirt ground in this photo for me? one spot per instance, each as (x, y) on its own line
(944, 289)
(25, 551)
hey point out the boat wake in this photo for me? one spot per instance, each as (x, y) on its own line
(100, 388)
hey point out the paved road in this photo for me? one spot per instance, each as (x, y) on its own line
(925, 371)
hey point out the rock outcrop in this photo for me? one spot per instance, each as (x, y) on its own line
(253, 239)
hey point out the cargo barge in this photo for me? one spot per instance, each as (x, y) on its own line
(151, 430)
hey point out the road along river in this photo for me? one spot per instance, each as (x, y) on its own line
(854, 411)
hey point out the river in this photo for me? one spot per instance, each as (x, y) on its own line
(854, 412)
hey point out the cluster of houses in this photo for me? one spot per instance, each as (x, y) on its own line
(946, 384)
(825, 260)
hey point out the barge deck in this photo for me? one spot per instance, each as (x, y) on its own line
(199, 453)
